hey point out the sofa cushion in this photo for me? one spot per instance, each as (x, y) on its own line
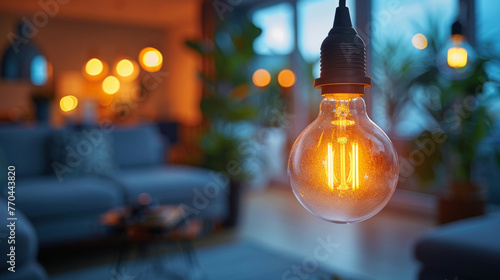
(138, 146)
(467, 249)
(46, 198)
(203, 190)
(70, 229)
(25, 148)
(78, 152)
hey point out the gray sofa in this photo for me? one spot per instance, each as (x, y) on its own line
(26, 248)
(467, 249)
(470, 248)
(64, 197)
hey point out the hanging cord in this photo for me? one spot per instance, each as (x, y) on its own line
(341, 3)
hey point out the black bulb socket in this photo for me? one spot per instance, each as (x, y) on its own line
(457, 28)
(343, 58)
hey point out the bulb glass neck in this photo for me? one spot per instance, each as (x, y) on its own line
(343, 88)
(342, 96)
(457, 38)
(352, 105)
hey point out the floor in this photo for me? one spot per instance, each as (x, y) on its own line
(379, 248)
(239, 260)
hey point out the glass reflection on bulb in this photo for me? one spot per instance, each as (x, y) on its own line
(342, 167)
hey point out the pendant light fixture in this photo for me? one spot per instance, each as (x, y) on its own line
(343, 168)
(457, 59)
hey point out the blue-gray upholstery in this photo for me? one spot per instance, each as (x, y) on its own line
(468, 249)
(66, 210)
(69, 229)
(69, 209)
(81, 152)
(26, 248)
(25, 148)
(140, 146)
(47, 198)
(175, 184)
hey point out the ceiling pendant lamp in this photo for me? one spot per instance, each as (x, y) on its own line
(457, 59)
(343, 168)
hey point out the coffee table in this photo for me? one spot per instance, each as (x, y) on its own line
(145, 226)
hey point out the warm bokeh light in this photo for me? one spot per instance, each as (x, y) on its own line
(457, 57)
(110, 85)
(150, 59)
(419, 41)
(94, 67)
(261, 78)
(68, 103)
(125, 68)
(286, 78)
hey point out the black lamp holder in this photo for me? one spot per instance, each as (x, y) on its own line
(343, 57)
(457, 28)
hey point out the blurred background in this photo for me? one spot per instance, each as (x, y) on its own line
(119, 113)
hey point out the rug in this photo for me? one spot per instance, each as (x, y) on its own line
(234, 261)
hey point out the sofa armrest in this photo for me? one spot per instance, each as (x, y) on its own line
(22, 237)
(467, 249)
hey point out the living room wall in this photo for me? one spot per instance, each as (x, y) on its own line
(69, 43)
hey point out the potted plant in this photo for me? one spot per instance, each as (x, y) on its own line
(460, 108)
(225, 104)
(42, 98)
(458, 121)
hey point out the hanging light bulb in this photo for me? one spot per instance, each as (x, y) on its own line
(343, 168)
(457, 59)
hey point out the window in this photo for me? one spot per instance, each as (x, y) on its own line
(488, 29)
(402, 19)
(38, 75)
(395, 24)
(277, 36)
(487, 37)
(315, 19)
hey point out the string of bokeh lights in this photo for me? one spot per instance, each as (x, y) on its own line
(125, 70)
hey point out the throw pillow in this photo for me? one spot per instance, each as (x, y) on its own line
(77, 152)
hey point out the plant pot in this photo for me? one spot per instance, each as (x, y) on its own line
(465, 201)
(233, 205)
(42, 110)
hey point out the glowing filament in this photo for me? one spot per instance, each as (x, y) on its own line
(346, 177)
(457, 57)
(354, 167)
(330, 166)
(343, 185)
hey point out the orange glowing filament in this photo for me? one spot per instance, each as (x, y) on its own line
(341, 164)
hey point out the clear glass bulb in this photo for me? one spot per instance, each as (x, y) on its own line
(343, 168)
